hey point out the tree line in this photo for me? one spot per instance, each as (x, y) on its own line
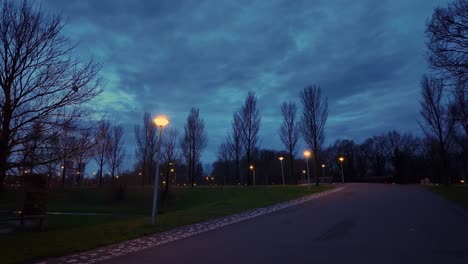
(45, 124)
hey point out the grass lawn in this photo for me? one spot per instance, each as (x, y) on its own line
(456, 193)
(130, 217)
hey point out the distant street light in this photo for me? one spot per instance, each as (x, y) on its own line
(323, 170)
(307, 155)
(282, 171)
(341, 159)
(252, 168)
(160, 121)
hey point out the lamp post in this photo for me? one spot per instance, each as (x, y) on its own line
(282, 171)
(160, 121)
(341, 159)
(252, 168)
(307, 155)
(323, 170)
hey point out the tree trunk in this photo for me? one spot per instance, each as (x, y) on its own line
(315, 168)
(237, 169)
(249, 180)
(100, 175)
(291, 162)
(3, 165)
(193, 173)
(166, 187)
(63, 174)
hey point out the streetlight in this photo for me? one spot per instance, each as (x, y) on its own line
(341, 159)
(160, 121)
(323, 170)
(282, 171)
(253, 171)
(307, 155)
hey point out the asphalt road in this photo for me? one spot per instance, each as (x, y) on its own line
(365, 223)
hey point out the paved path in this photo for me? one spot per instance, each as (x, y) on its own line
(364, 223)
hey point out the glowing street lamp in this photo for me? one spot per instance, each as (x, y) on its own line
(159, 121)
(252, 168)
(282, 171)
(307, 155)
(323, 170)
(341, 159)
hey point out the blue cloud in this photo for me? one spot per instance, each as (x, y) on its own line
(167, 56)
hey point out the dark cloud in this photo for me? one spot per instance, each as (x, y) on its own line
(167, 56)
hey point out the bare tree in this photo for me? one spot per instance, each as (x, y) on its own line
(170, 155)
(447, 44)
(225, 155)
(250, 118)
(116, 151)
(102, 138)
(40, 81)
(459, 108)
(194, 141)
(146, 137)
(84, 151)
(234, 142)
(289, 132)
(314, 118)
(438, 124)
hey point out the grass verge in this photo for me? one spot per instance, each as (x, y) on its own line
(455, 193)
(130, 217)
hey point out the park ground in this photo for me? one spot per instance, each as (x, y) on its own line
(455, 193)
(363, 223)
(122, 219)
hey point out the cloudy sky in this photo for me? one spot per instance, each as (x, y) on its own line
(166, 56)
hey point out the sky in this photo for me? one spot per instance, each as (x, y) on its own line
(167, 56)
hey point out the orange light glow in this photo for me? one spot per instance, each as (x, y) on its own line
(307, 153)
(161, 121)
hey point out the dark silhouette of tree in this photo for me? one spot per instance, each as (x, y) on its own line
(314, 118)
(84, 151)
(194, 141)
(102, 137)
(224, 157)
(438, 124)
(234, 142)
(459, 109)
(41, 83)
(170, 154)
(116, 153)
(289, 133)
(447, 42)
(250, 119)
(146, 136)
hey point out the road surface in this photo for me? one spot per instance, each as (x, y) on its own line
(364, 223)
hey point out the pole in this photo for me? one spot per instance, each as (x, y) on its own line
(156, 180)
(323, 172)
(282, 171)
(342, 174)
(308, 174)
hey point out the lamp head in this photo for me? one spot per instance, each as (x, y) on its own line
(161, 121)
